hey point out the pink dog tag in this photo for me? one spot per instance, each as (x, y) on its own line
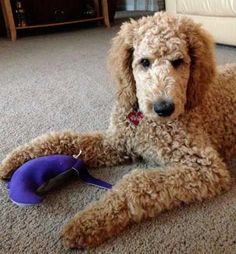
(135, 117)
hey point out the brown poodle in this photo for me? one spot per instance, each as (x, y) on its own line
(164, 67)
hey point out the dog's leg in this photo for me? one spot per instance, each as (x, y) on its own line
(98, 149)
(146, 193)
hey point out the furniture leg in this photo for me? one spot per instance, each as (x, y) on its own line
(105, 13)
(9, 20)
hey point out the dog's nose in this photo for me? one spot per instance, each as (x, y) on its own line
(164, 108)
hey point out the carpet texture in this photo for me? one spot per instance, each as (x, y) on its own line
(59, 81)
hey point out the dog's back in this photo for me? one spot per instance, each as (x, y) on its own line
(227, 75)
(223, 93)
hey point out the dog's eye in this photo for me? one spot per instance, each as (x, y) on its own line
(176, 63)
(145, 63)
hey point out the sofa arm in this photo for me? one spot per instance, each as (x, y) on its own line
(170, 6)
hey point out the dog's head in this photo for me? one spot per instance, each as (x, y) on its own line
(164, 63)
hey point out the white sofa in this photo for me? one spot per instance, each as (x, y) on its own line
(217, 16)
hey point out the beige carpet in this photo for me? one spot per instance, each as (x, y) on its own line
(59, 81)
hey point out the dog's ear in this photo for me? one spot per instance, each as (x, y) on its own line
(203, 66)
(120, 64)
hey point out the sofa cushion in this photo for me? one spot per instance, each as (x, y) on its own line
(207, 7)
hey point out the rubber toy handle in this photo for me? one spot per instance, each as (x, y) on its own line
(79, 170)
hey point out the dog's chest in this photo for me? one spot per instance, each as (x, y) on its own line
(154, 141)
(147, 138)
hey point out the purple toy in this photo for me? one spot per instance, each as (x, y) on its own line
(38, 176)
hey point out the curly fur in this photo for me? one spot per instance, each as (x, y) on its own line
(191, 146)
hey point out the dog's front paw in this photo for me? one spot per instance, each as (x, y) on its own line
(14, 160)
(84, 230)
(8, 165)
(97, 223)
